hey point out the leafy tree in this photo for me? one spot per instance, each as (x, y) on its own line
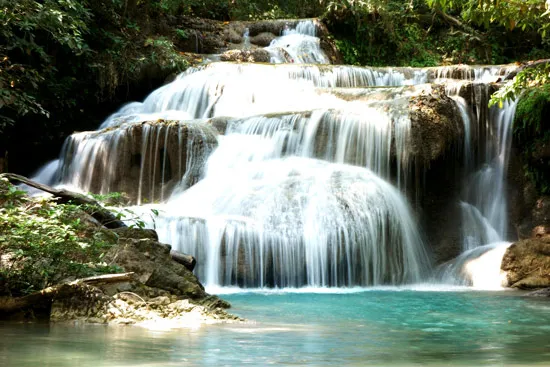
(511, 14)
(33, 35)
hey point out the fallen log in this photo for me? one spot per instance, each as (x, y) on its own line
(186, 260)
(11, 305)
(104, 216)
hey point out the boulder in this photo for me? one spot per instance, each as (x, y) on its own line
(153, 267)
(527, 263)
(263, 39)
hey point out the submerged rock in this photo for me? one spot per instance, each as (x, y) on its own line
(527, 263)
(545, 292)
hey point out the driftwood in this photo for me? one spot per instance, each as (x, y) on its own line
(58, 291)
(186, 260)
(101, 214)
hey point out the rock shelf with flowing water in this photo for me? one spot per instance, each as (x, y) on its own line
(292, 175)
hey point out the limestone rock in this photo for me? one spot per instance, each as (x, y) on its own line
(154, 267)
(435, 124)
(263, 39)
(527, 263)
(151, 158)
(256, 55)
(81, 302)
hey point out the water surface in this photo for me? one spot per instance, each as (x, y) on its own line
(375, 327)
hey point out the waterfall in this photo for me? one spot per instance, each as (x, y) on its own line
(484, 202)
(151, 159)
(298, 45)
(294, 222)
(246, 39)
(293, 174)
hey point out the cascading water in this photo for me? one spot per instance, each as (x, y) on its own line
(298, 45)
(297, 191)
(484, 205)
(294, 222)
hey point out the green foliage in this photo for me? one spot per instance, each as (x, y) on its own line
(43, 243)
(432, 32)
(511, 14)
(381, 32)
(275, 9)
(533, 111)
(57, 56)
(531, 77)
(32, 33)
(112, 199)
(532, 132)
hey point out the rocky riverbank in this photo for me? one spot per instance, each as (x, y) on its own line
(41, 279)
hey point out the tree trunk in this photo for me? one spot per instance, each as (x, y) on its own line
(91, 206)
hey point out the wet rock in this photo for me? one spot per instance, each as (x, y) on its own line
(213, 37)
(153, 266)
(545, 292)
(436, 126)
(256, 55)
(527, 263)
(151, 158)
(263, 39)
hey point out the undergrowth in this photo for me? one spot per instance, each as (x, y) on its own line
(43, 243)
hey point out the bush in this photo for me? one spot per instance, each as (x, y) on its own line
(43, 243)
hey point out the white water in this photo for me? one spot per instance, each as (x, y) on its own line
(299, 45)
(487, 137)
(297, 192)
(138, 158)
(478, 267)
(296, 221)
